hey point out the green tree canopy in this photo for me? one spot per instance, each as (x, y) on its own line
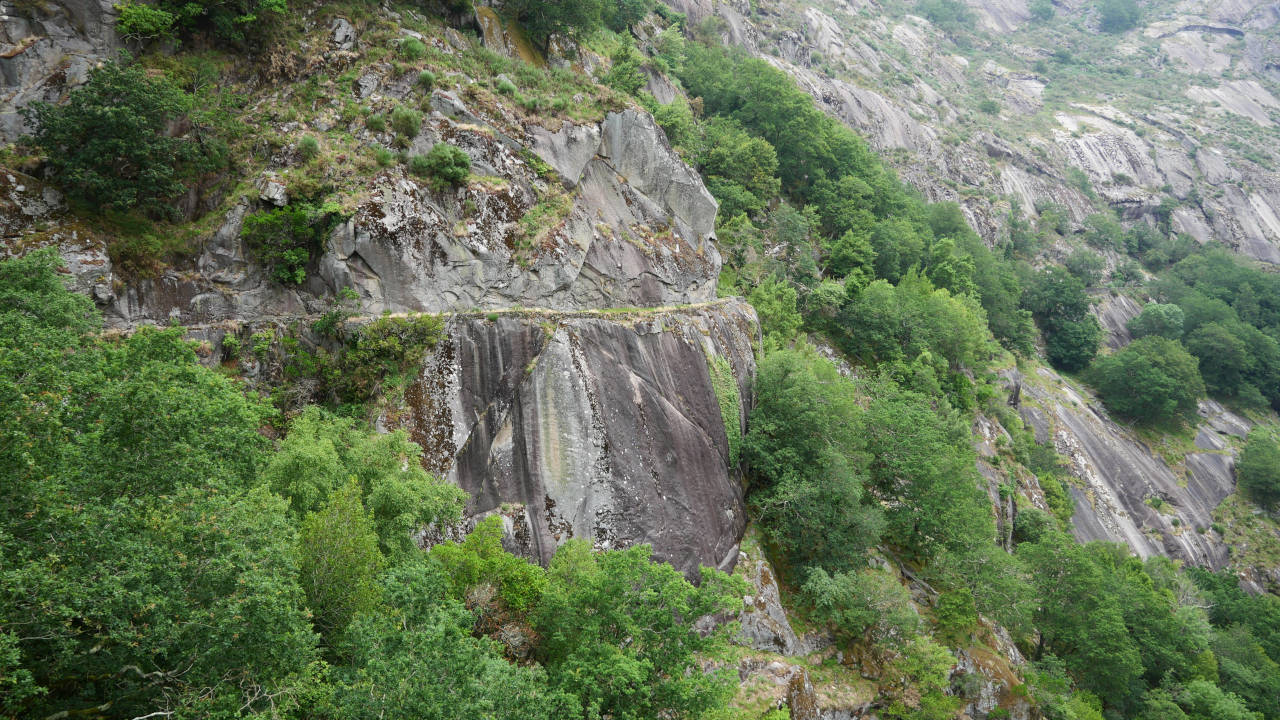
(1152, 380)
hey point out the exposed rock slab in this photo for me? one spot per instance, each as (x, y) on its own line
(600, 428)
(1125, 492)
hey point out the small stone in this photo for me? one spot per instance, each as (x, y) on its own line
(344, 34)
(273, 192)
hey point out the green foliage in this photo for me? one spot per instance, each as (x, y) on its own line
(284, 239)
(1223, 358)
(1152, 380)
(133, 539)
(868, 603)
(411, 49)
(621, 15)
(419, 659)
(923, 465)
(1117, 16)
(339, 561)
(804, 451)
(322, 452)
(308, 148)
(427, 79)
(1258, 469)
(919, 678)
(406, 121)
(109, 145)
(624, 71)
(1163, 320)
(949, 15)
(444, 166)
(912, 321)
(236, 23)
(617, 633)
(725, 385)
(541, 20)
(143, 22)
(956, 615)
(775, 303)
(1041, 10)
(480, 561)
(377, 122)
(1085, 265)
(1058, 302)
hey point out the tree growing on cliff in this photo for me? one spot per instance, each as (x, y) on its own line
(1258, 469)
(111, 144)
(1153, 380)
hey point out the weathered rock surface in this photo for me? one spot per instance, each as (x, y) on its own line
(624, 223)
(1126, 492)
(602, 427)
(47, 48)
(903, 85)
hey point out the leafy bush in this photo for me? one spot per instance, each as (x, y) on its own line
(444, 166)
(541, 19)
(284, 239)
(1164, 320)
(1117, 16)
(308, 148)
(505, 87)
(406, 121)
(232, 22)
(1041, 10)
(411, 49)
(1152, 380)
(1058, 302)
(143, 22)
(868, 602)
(956, 615)
(802, 448)
(108, 145)
(1258, 469)
(376, 122)
(427, 79)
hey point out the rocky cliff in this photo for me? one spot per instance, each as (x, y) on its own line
(603, 416)
(1180, 111)
(610, 427)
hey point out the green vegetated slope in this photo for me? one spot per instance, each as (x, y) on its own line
(216, 557)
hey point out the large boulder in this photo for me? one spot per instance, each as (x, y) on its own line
(589, 425)
(47, 48)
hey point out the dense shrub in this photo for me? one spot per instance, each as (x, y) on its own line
(869, 603)
(1117, 16)
(444, 166)
(1059, 304)
(284, 239)
(232, 22)
(1152, 380)
(1258, 470)
(1164, 320)
(406, 121)
(109, 144)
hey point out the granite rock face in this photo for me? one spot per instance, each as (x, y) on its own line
(46, 48)
(585, 426)
(900, 82)
(620, 221)
(1124, 491)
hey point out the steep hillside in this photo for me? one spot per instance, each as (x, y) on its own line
(1175, 118)
(621, 359)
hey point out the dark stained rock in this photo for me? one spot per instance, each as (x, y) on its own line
(600, 427)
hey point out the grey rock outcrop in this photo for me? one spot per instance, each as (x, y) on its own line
(905, 87)
(600, 427)
(47, 48)
(623, 223)
(1127, 493)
